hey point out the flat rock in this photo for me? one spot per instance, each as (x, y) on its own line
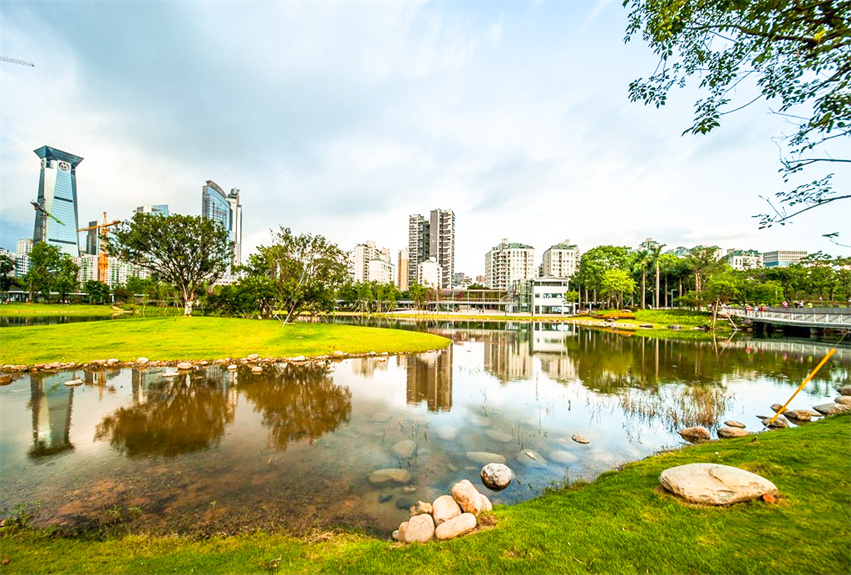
(775, 407)
(496, 476)
(142, 360)
(697, 433)
(5, 379)
(779, 423)
(831, 408)
(480, 421)
(455, 527)
(419, 528)
(339, 353)
(734, 423)
(845, 390)
(257, 369)
(485, 457)
(298, 358)
(404, 449)
(381, 417)
(74, 382)
(728, 432)
(383, 476)
(253, 357)
(467, 496)
(798, 414)
(502, 437)
(563, 457)
(444, 508)
(578, 438)
(232, 367)
(446, 433)
(531, 458)
(843, 399)
(184, 365)
(714, 484)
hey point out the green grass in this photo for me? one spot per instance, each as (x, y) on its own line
(622, 523)
(44, 309)
(197, 338)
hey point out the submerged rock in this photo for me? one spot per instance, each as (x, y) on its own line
(531, 458)
(831, 408)
(484, 457)
(383, 476)
(563, 457)
(404, 449)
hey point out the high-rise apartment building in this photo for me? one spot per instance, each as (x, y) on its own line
(509, 262)
(159, 209)
(743, 259)
(402, 268)
(432, 238)
(372, 264)
(57, 197)
(560, 260)
(225, 209)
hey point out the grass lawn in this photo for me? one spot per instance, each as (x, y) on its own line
(198, 338)
(46, 309)
(622, 523)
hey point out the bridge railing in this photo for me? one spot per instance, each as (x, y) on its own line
(822, 316)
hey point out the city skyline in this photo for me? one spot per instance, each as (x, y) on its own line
(345, 117)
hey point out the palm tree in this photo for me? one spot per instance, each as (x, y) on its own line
(642, 258)
(654, 253)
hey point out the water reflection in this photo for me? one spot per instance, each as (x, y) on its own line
(429, 379)
(297, 402)
(51, 403)
(174, 416)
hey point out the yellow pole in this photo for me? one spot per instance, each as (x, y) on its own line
(806, 381)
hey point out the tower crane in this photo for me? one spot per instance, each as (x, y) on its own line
(16, 61)
(103, 258)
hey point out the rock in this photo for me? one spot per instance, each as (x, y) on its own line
(799, 414)
(831, 408)
(484, 457)
(417, 529)
(480, 421)
(339, 353)
(467, 496)
(383, 476)
(728, 432)
(404, 503)
(775, 407)
(183, 365)
(395, 535)
(5, 379)
(74, 382)
(713, 484)
(843, 399)
(384, 498)
(531, 458)
(170, 374)
(444, 508)
(299, 358)
(446, 433)
(232, 367)
(111, 362)
(734, 423)
(404, 449)
(486, 503)
(455, 527)
(142, 361)
(381, 417)
(779, 423)
(845, 390)
(419, 508)
(257, 369)
(496, 476)
(499, 436)
(698, 433)
(98, 362)
(563, 457)
(409, 489)
(253, 357)
(579, 438)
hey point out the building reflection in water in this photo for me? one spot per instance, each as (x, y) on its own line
(51, 403)
(508, 353)
(549, 343)
(429, 378)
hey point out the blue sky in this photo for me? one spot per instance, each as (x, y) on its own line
(342, 118)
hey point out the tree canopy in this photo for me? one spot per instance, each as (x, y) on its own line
(184, 251)
(797, 51)
(50, 270)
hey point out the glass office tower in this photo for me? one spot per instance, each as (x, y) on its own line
(57, 195)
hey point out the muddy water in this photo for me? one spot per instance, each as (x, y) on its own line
(297, 447)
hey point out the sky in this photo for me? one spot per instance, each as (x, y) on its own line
(343, 118)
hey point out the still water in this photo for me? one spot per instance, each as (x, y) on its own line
(294, 448)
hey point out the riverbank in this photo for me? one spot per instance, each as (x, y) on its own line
(622, 523)
(53, 310)
(199, 338)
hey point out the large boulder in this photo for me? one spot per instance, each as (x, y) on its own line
(831, 408)
(419, 528)
(444, 508)
(844, 400)
(845, 390)
(728, 432)
(714, 484)
(467, 497)
(456, 526)
(496, 476)
(697, 433)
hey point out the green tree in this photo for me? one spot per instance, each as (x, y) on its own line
(305, 271)
(97, 292)
(797, 52)
(418, 295)
(50, 269)
(7, 268)
(184, 251)
(616, 282)
(594, 264)
(703, 261)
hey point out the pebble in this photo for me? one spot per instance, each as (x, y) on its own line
(384, 498)
(579, 438)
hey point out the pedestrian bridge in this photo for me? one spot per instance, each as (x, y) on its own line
(817, 318)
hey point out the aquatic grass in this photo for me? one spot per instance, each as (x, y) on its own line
(621, 523)
(197, 338)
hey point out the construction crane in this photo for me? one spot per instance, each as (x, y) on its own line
(16, 61)
(103, 258)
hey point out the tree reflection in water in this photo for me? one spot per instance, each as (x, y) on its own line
(297, 402)
(179, 415)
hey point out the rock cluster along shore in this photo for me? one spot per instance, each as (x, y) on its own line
(732, 428)
(447, 517)
(251, 360)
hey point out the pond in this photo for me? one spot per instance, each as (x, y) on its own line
(298, 447)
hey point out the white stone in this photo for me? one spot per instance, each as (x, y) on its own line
(257, 369)
(486, 503)
(382, 476)
(484, 457)
(456, 527)
(404, 449)
(339, 353)
(111, 361)
(563, 457)
(419, 528)
(183, 365)
(843, 399)
(253, 357)
(713, 484)
(299, 358)
(579, 438)
(232, 367)
(74, 382)
(142, 360)
(531, 458)
(467, 497)
(728, 432)
(444, 508)
(496, 476)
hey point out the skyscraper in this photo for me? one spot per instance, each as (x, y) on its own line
(432, 238)
(57, 196)
(159, 209)
(225, 209)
